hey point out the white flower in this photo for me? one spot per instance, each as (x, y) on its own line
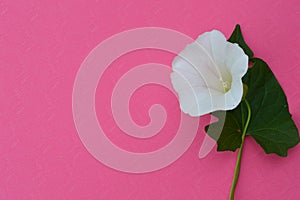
(207, 74)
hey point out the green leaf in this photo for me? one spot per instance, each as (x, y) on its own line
(230, 129)
(271, 124)
(237, 37)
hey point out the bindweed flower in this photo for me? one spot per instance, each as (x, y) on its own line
(207, 74)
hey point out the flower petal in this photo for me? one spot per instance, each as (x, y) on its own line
(204, 71)
(236, 60)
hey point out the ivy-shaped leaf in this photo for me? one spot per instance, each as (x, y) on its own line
(271, 124)
(230, 129)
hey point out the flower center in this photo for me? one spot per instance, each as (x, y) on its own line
(226, 85)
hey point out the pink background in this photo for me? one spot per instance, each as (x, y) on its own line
(42, 44)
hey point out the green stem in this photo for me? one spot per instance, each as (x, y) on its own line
(238, 162)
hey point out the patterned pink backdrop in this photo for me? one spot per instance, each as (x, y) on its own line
(42, 45)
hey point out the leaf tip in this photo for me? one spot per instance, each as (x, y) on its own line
(237, 37)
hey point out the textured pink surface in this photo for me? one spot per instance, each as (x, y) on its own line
(42, 44)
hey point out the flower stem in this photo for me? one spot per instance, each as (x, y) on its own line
(238, 162)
